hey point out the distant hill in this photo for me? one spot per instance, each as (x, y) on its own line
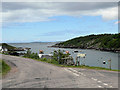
(106, 42)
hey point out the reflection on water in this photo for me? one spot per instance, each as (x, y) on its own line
(93, 57)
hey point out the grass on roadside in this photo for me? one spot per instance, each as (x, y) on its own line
(54, 62)
(4, 68)
(92, 67)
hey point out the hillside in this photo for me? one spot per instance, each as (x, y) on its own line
(5, 45)
(10, 48)
(106, 42)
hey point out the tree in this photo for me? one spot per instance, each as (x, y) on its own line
(59, 55)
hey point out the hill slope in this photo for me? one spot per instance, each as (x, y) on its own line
(5, 45)
(106, 42)
(11, 48)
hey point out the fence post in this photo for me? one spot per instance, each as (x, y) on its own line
(109, 63)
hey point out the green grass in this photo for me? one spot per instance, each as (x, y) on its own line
(91, 67)
(4, 68)
(82, 66)
(54, 62)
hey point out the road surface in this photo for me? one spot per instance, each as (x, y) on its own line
(28, 73)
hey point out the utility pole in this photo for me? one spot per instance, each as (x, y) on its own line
(77, 61)
(109, 63)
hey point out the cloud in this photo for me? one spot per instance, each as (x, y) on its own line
(37, 12)
(107, 14)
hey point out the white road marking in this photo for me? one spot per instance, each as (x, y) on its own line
(75, 74)
(111, 86)
(79, 72)
(105, 84)
(67, 70)
(94, 79)
(9, 80)
(100, 81)
(99, 86)
(72, 72)
(85, 75)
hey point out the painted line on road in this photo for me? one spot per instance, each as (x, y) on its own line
(75, 74)
(111, 86)
(72, 72)
(105, 84)
(67, 70)
(100, 86)
(94, 79)
(100, 81)
(9, 80)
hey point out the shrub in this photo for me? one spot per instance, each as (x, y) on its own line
(29, 54)
(58, 55)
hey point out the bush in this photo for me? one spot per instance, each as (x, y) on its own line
(58, 55)
(52, 61)
(29, 54)
(4, 68)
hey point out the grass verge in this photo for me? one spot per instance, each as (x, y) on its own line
(51, 61)
(4, 68)
(54, 62)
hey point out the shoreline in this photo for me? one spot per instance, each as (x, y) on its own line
(72, 66)
(81, 66)
(108, 50)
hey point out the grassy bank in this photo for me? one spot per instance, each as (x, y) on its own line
(4, 68)
(82, 66)
(91, 67)
(57, 62)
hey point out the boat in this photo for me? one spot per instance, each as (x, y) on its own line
(75, 51)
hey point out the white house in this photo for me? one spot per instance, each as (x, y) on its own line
(3, 49)
(0, 48)
(47, 56)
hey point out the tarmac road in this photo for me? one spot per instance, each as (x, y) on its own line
(28, 73)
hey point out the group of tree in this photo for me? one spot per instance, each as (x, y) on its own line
(101, 41)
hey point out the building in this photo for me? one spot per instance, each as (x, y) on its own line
(3, 49)
(0, 48)
(47, 56)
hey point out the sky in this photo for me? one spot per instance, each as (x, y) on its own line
(56, 21)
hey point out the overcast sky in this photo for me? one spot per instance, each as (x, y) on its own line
(39, 21)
